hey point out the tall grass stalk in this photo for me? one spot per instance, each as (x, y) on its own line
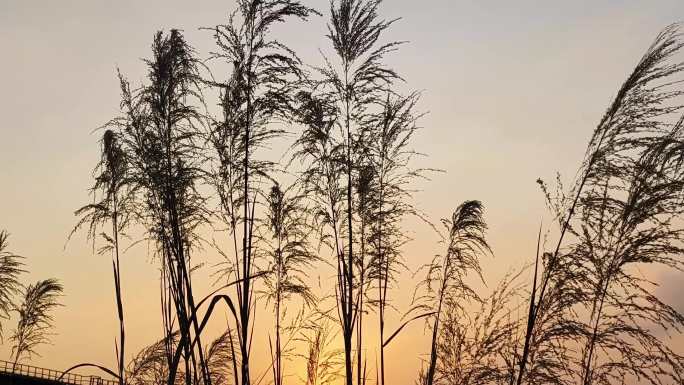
(113, 203)
(334, 140)
(11, 267)
(35, 318)
(640, 102)
(258, 93)
(445, 280)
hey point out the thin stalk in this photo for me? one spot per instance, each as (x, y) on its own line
(552, 262)
(433, 347)
(350, 263)
(119, 301)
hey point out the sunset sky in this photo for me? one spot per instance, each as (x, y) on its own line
(512, 92)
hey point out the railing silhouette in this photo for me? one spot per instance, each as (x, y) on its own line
(54, 375)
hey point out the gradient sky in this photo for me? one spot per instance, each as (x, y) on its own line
(512, 90)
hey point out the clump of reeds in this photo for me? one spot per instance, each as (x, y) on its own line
(11, 267)
(35, 318)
